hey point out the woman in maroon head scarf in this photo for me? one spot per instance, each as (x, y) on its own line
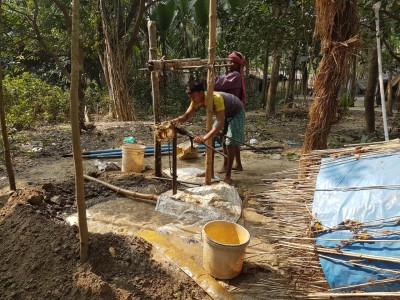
(233, 82)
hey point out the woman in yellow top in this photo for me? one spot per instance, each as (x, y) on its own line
(230, 120)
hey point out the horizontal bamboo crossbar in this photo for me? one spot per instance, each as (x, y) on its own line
(181, 64)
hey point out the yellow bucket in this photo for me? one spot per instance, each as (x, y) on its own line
(132, 158)
(224, 245)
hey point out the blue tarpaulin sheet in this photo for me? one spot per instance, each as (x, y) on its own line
(360, 189)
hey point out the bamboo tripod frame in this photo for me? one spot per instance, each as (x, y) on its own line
(157, 66)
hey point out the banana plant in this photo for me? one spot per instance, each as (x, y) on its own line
(163, 14)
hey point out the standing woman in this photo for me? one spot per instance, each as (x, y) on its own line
(233, 83)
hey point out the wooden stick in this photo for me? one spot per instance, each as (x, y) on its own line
(123, 191)
(366, 284)
(358, 255)
(352, 262)
(250, 146)
(339, 240)
(180, 181)
(350, 295)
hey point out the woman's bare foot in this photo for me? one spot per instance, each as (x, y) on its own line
(237, 168)
(228, 181)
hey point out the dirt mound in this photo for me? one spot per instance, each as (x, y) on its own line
(39, 259)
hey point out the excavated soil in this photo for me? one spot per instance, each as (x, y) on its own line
(39, 251)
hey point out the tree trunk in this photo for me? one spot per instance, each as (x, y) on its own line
(336, 24)
(265, 85)
(76, 146)
(389, 96)
(273, 86)
(292, 75)
(369, 98)
(117, 74)
(353, 81)
(304, 80)
(118, 27)
(6, 144)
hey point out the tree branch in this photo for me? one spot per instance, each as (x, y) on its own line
(136, 27)
(390, 50)
(390, 15)
(67, 17)
(43, 43)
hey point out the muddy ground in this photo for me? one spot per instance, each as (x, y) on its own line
(39, 251)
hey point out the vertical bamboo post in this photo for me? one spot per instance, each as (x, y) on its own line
(76, 144)
(210, 86)
(155, 87)
(376, 8)
(174, 164)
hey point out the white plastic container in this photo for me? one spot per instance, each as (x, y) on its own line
(132, 158)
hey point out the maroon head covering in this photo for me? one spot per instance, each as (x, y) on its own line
(239, 58)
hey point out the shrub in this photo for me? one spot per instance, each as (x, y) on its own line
(29, 100)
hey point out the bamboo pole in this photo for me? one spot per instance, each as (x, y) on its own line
(210, 88)
(392, 295)
(122, 191)
(354, 286)
(359, 255)
(76, 144)
(174, 164)
(188, 63)
(376, 8)
(155, 87)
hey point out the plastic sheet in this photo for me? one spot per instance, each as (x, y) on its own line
(199, 205)
(354, 189)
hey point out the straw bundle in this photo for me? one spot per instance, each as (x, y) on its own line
(336, 25)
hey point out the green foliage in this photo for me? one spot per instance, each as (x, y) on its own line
(174, 100)
(163, 14)
(345, 101)
(370, 138)
(200, 12)
(97, 98)
(261, 122)
(335, 142)
(254, 99)
(292, 156)
(29, 100)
